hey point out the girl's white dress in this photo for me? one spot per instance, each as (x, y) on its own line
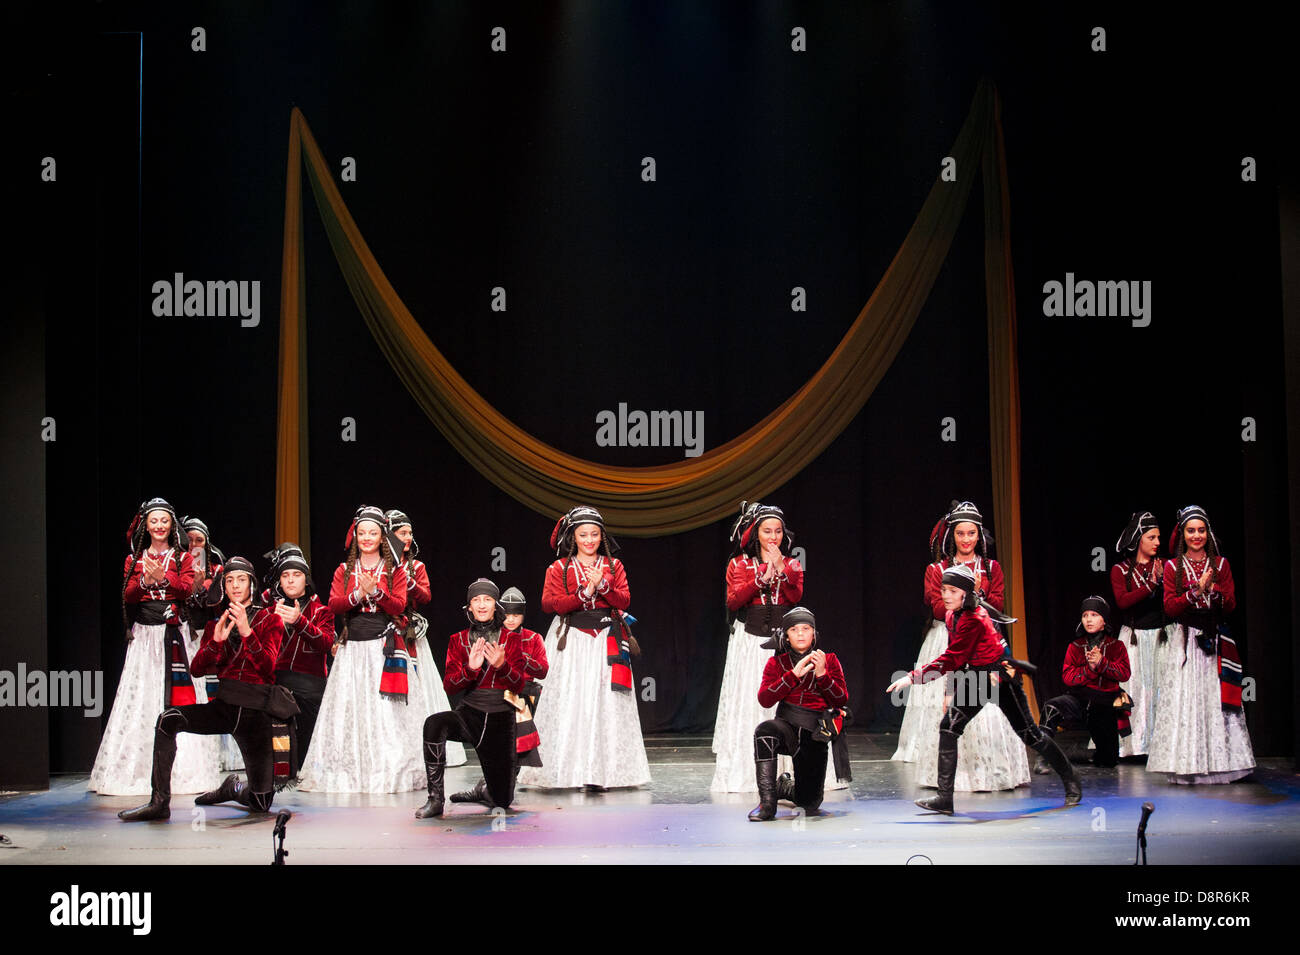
(363, 742)
(1194, 739)
(1148, 660)
(591, 733)
(124, 764)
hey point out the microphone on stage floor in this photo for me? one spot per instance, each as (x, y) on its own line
(281, 820)
(1147, 810)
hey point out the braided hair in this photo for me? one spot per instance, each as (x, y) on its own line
(354, 554)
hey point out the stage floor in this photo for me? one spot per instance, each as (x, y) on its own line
(676, 820)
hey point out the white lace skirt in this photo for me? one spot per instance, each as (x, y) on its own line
(364, 743)
(124, 764)
(990, 755)
(1148, 660)
(739, 714)
(435, 697)
(231, 758)
(921, 698)
(1194, 739)
(591, 734)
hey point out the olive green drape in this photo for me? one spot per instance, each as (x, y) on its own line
(667, 499)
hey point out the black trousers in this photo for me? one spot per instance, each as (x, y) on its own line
(493, 737)
(1096, 712)
(308, 691)
(251, 730)
(973, 688)
(777, 737)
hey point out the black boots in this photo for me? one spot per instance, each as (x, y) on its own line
(478, 794)
(1048, 725)
(435, 764)
(765, 770)
(785, 787)
(158, 807)
(942, 800)
(228, 791)
(1041, 766)
(765, 774)
(164, 754)
(1046, 748)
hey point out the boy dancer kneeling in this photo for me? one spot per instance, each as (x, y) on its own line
(807, 688)
(483, 664)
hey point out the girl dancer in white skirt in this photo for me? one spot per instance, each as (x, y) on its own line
(991, 756)
(763, 582)
(368, 734)
(418, 593)
(587, 714)
(157, 578)
(1138, 584)
(1200, 733)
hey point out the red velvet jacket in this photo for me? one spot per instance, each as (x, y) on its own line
(533, 647)
(1139, 598)
(974, 640)
(305, 644)
(745, 584)
(418, 590)
(174, 590)
(253, 661)
(1114, 668)
(458, 677)
(612, 591)
(389, 597)
(811, 692)
(988, 580)
(1197, 610)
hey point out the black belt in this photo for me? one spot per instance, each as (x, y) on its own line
(307, 684)
(276, 700)
(591, 619)
(366, 626)
(799, 716)
(810, 720)
(152, 613)
(487, 700)
(761, 620)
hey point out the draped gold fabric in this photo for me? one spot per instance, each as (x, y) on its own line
(645, 501)
(1004, 381)
(668, 499)
(292, 498)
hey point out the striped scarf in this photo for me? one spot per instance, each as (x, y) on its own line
(1229, 673)
(179, 688)
(392, 682)
(618, 654)
(525, 704)
(281, 748)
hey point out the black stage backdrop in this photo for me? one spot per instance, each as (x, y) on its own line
(775, 168)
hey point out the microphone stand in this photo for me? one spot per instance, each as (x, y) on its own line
(278, 833)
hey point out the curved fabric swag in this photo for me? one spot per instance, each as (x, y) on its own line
(645, 501)
(668, 499)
